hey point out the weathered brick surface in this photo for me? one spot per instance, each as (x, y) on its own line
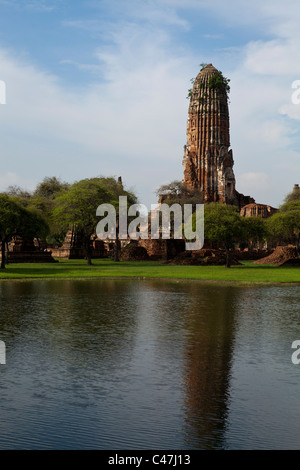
(208, 160)
(72, 247)
(162, 249)
(22, 250)
(257, 210)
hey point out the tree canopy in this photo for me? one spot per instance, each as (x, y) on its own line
(224, 225)
(50, 187)
(16, 220)
(177, 192)
(76, 207)
(285, 224)
(59, 205)
(293, 196)
(41, 201)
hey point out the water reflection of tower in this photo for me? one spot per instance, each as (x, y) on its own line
(209, 351)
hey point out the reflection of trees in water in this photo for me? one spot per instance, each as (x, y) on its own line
(79, 322)
(88, 329)
(210, 316)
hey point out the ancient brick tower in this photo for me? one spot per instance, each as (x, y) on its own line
(208, 161)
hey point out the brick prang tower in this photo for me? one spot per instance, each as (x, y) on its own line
(208, 161)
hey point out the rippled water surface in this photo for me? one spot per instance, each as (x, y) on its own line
(148, 365)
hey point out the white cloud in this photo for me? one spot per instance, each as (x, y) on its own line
(254, 181)
(36, 5)
(254, 184)
(214, 36)
(12, 179)
(276, 57)
(132, 120)
(89, 25)
(132, 125)
(264, 134)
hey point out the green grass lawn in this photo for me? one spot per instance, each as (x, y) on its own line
(101, 268)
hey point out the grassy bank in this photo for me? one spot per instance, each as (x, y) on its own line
(103, 268)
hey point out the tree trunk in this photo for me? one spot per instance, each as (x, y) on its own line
(298, 244)
(116, 250)
(116, 245)
(88, 253)
(6, 253)
(3, 254)
(228, 257)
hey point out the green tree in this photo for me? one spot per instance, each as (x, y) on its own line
(18, 192)
(255, 229)
(285, 224)
(177, 192)
(50, 187)
(224, 225)
(16, 220)
(293, 196)
(77, 207)
(116, 188)
(42, 202)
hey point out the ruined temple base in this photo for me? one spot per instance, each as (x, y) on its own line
(158, 249)
(76, 253)
(134, 252)
(204, 257)
(30, 257)
(282, 255)
(251, 253)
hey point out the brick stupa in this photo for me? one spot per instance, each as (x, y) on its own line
(208, 161)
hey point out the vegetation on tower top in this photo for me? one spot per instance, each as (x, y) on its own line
(216, 82)
(219, 82)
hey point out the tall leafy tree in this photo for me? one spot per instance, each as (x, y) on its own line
(76, 208)
(223, 224)
(255, 229)
(42, 202)
(16, 220)
(50, 187)
(116, 188)
(293, 196)
(285, 224)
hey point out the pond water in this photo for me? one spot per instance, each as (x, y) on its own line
(115, 364)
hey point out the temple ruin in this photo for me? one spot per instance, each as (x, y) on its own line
(257, 210)
(208, 160)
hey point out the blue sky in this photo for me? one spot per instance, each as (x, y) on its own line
(99, 88)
